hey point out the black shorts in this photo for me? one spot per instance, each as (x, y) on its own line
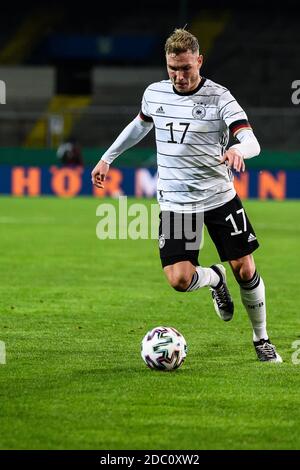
(228, 227)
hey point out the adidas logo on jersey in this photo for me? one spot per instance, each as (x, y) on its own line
(160, 110)
(251, 238)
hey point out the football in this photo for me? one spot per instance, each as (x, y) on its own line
(163, 348)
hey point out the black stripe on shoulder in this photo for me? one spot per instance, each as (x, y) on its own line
(145, 118)
(238, 123)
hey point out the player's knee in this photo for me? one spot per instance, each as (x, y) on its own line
(246, 272)
(179, 281)
(243, 268)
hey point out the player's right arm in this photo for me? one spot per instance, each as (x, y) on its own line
(130, 136)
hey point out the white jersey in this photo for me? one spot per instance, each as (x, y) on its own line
(192, 132)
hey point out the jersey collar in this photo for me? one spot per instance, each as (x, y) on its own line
(192, 92)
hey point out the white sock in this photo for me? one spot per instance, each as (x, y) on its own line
(253, 298)
(203, 277)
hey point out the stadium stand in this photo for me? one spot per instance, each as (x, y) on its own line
(255, 52)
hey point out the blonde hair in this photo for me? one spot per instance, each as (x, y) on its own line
(181, 40)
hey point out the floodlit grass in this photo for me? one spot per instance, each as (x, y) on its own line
(74, 309)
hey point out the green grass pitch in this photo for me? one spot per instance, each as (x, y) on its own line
(74, 309)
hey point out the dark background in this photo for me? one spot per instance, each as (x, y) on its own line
(255, 53)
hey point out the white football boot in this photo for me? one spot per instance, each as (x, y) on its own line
(266, 351)
(220, 294)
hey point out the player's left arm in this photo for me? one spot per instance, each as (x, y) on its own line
(247, 147)
(236, 120)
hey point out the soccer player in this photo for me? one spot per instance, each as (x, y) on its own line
(192, 116)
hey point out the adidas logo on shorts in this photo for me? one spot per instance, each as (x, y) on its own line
(251, 238)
